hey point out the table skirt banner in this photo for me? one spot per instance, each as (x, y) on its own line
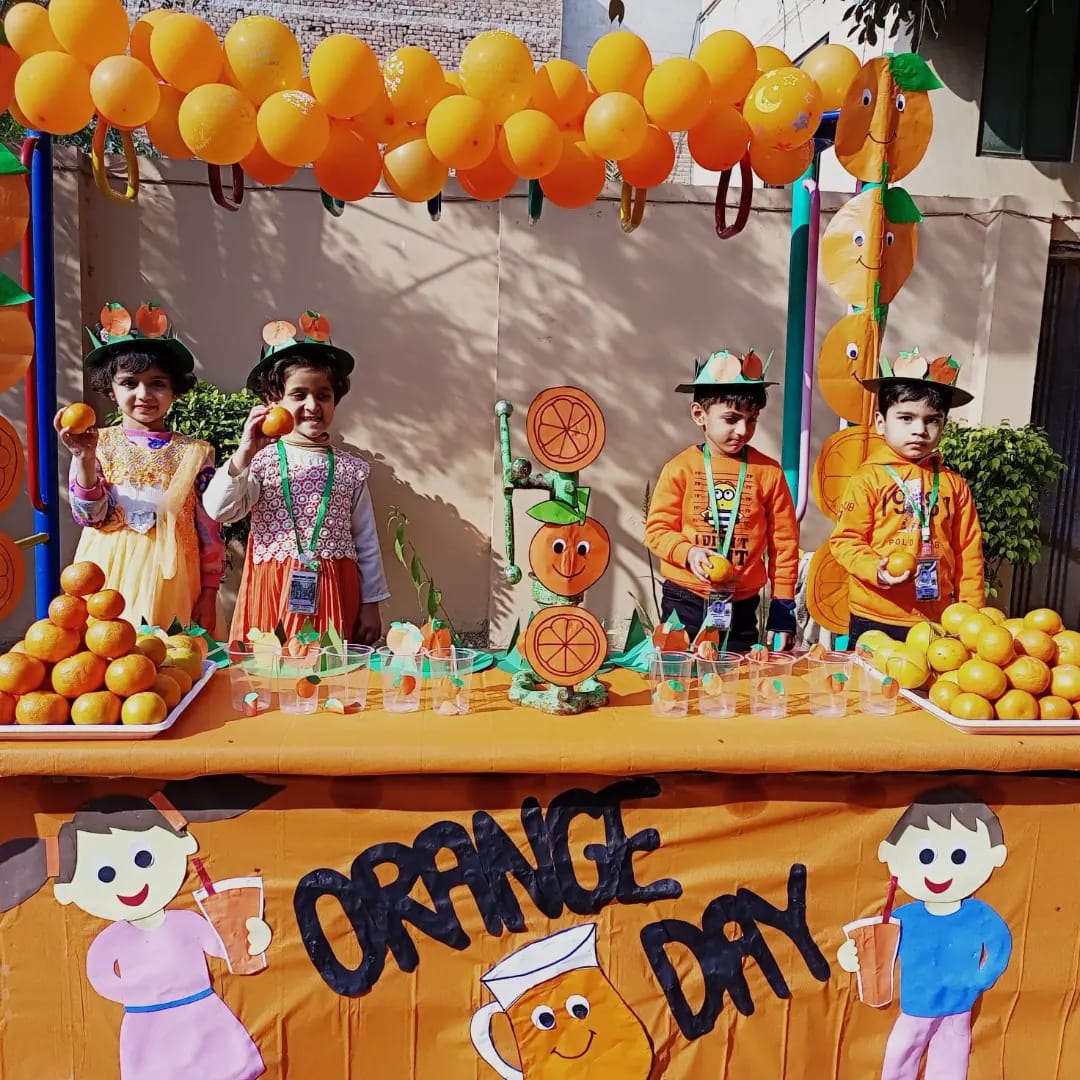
(541, 928)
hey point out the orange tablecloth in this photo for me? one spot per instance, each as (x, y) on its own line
(497, 738)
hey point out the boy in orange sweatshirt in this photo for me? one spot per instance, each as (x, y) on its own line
(902, 500)
(723, 497)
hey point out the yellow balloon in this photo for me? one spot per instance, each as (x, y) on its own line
(125, 92)
(186, 52)
(412, 171)
(29, 31)
(620, 61)
(731, 62)
(460, 132)
(293, 127)
(779, 167)
(578, 178)
(345, 76)
(783, 108)
(140, 37)
(414, 81)
(615, 126)
(350, 167)
(560, 90)
(531, 144)
(218, 123)
(677, 94)
(90, 29)
(769, 58)
(653, 162)
(497, 69)
(52, 90)
(164, 127)
(833, 68)
(262, 57)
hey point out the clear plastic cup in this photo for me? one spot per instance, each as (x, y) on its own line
(250, 686)
(830, 681)
(770, 684)
(669, 674)
(401, 681)
(718, 684)
(298, 681)
(348, 676)
(451, 680)
(877, 693)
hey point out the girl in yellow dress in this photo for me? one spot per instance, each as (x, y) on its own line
(136, 489)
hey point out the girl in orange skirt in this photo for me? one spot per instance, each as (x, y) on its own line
(313, 552)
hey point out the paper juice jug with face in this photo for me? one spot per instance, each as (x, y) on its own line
(569, 1022)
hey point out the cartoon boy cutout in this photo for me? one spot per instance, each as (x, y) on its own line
(953, 947)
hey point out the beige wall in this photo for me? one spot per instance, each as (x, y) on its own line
(446, 318)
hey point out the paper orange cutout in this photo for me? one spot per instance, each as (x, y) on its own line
(436, 637)
(565, 645)
(115, 320)
(752, 366)
(850, 352)
(873, 131)
(278, 332)
(565, 428)
(861, 246)
(724, 367)
(568, 559)
(12, 575)
(315, 326)
(151, 320)
(827, 591)
(841, 455)
(675, 640)
(944, 370)
(11, 464)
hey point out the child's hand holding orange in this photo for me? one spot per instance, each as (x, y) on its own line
(252, 440)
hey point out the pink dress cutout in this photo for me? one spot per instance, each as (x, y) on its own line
(201, 1039)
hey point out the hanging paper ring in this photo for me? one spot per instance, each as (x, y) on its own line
(334, 207)
(632, 207)
(97, 164)
(536, 201)
(746, 195)
(217, 191)
(434, 207)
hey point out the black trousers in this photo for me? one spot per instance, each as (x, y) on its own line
(857, 626)
(691, 610)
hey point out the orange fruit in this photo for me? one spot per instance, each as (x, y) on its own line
(178, 676)
(68, 612)
(970, 629)
(167, 690)
(144, 708)
(983, 678)
(20, 674)
(110, 638)
(1031, 642)
(1065, 682)
(1045, 619)
(78, 418)
(80, 674)
(51, 643)
(972, 707)
(995, 644)
(107, 604)
(1027, 673)
(130, 675)
(1016, 705)
(995, 615)
(7, 708)
(943, 693)
(952, 618)
(1055, 708)
(153, 648)
(42, 707)
(1014, 626)
(188, 660)
(18, 647)
(900, 563)
(82, 579)
(101, 707)
(720, 570)
(1068, 647)
(278, 421)
(950, 676)
(946, 654)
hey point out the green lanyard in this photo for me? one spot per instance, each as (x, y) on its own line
(309, 558)
(922, 516)
(725, 549)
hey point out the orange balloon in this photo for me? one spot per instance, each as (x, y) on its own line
(779, 167)
(345, 76)
(412, 171)
(9, 65)
(29, 31)
(460, 132)
(783, 108)
(677, 94)
(497, 69)
(731, 64)
(719, 142)
(578, 178)
(139, 45)
(217, 122)
(414, 81)
(531, 144)
(90, 29)
(652, 164)
(293, 127)
(53, 93)
(560, 91)
(164, 127)
(769, 58)
(381, 120)
(833, 68)
(620, 61)
(262, 57)
(350, 167)
(262, 168)
(489, 181)
(578, 122)
(125, 92)
(615, 126)
(18, 115)
(186, 52)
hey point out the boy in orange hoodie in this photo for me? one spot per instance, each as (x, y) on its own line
(721, 497)
(903, 501)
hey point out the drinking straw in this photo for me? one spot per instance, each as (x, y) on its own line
(204, 877)
(890, 897)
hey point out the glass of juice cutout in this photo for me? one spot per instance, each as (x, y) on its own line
(228, 905)
(877, 941)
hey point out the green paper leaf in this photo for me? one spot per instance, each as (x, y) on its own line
(553, 512)
(10, 165)
(581, 497)
(515, 634)
(900, 208)
(636, 634)
(778, 686)
(911, 72)
(456, 682)
(676, 686)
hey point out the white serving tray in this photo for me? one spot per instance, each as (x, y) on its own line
(122, 732)
(994, 727)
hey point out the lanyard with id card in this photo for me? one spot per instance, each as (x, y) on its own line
(718, 610)
(304, 576)
(927, 566)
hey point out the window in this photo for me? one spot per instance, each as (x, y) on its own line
(1030, 80)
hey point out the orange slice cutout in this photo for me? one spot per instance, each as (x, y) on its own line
(565, 428)
(827, 591)
(724, 367)
(565, 645)
(912, 366)
(11, 464)
(841, 455)
(849, 353)
(12, 575)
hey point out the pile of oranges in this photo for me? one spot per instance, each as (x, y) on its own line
(980, 665)
(87, 665)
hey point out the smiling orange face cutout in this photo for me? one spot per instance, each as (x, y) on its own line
(568, 559)
(849, 353)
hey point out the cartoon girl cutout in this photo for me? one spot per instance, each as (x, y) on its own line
(125, 859)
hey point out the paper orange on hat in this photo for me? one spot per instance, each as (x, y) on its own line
(849, 353)
(278, 332)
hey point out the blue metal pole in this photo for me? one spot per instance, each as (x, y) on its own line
(47, 555)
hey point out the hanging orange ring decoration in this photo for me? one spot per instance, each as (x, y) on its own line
(12, 575)
(131, 161)
(565, 645)
(631, 216)
(746, 195)
(565, 428)
(217, 191)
